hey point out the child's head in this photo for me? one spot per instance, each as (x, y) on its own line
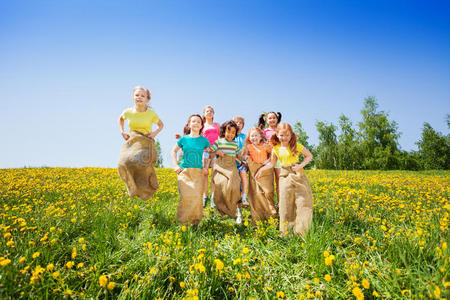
(255, 136)
(208, 113)
(239, 122)
(270, 119)
(285, 136)
(141, 95)
(194, 123)
(228, 130)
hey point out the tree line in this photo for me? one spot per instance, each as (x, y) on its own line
(374, 145)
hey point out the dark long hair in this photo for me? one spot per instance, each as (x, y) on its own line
(262, 119)
(226, 125)
(187, 129)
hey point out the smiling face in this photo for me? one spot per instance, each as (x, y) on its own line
(230, 133)
(272, 120)
(140, 97)
(284, 136)
(195, 123)
(255, 137)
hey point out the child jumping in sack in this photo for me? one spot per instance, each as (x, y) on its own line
(296, 202)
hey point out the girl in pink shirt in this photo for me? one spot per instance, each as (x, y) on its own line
(268, 122)
(211, 132)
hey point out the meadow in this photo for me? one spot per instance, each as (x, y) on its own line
(75, 233)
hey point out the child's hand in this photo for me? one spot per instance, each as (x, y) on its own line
(258, 174)
(205, 171)
(220, 153)
(126, 136)
(296, 167)
(177, 136)
(266, 162)
(151, 135)
(178, 169)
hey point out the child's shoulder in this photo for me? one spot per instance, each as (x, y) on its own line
(128, 110)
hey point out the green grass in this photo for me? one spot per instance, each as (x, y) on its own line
(388, 232)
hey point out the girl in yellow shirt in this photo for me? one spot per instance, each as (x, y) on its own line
(138, 154)
(295, 192)
(140, 117)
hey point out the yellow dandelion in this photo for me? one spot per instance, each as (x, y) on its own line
(102, 280)
(327, 278)
(280, 294)
(358, 293)
(219, 264)
(365, 284)
(111, 285)
(5, 262)
(329, 260)
(50, 267)
(36, 254)
(437, 292)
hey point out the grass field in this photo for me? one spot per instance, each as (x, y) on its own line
(75, 233)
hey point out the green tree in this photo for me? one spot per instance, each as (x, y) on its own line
(348, 147)
(302, 138)
(327, 148)
(379, 138)
(434, 149)
(159, 162)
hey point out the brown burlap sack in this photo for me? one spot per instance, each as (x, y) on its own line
(227, 183)
(296, 201)
(190, 208)
(260, 193)
(137, 158)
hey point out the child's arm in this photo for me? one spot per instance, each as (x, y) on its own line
(153, 134)
(176, 167)
(125, 135)
(268, 149)
(308, 157)
(206, 164)
(270, 165)
(214, 148)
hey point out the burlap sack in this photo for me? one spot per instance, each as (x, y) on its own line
(227, 183)
(296, 201)
(190, 208)
(260, 193)
(137, 158)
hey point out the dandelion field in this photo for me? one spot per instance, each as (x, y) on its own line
(75, 233)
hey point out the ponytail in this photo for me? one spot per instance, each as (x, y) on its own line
(262, 121)
(278, 114)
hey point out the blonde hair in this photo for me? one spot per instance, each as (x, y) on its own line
(292, 142)
(204, 109)
(239, 118)
(261, 134)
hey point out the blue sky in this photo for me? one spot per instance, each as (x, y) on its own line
(67, 68)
